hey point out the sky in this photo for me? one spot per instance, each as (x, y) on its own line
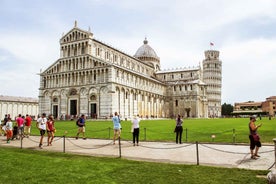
(178, 30)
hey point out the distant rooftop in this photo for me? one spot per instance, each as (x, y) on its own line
(18, 99)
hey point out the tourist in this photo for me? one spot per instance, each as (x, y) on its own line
(20, 125)
(81, 127)
(116, 127)
(41, 125)
(50, 126)
(6, 119)
(135, 130)
(254, 138)
(28, 124)
(178, 130)
(8, 129)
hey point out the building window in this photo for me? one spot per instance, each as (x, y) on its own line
(174, 88)
(172, 77)
(176, 103)
(95, 77)
(191, 87)
(55, 99)
(180, 88)
(93, 97)
(164, 77)
(185, 88)
(182, 75)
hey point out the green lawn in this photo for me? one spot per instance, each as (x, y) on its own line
(32, 166)
(226, 130)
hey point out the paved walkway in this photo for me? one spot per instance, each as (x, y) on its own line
(233, 156)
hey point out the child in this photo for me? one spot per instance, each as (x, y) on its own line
(9, 131)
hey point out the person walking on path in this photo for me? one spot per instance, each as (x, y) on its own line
(81, 127)
(178, 130)
(41, 125)
(28, 124)
(9, 131)
(135, 130)
(20, 125)
(254, 138)
(50, 125)
(116, 127)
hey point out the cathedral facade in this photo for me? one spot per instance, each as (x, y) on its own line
(95, 79)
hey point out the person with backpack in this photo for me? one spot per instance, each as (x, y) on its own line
(81, 127)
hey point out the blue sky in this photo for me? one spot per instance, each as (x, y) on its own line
(178, 30)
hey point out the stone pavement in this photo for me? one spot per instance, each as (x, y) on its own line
(233, 156)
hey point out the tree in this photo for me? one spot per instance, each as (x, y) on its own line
(226, 109)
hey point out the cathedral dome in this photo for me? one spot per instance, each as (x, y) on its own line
(145, 51)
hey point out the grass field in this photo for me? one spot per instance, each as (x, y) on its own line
(32, 166)
(225, 130)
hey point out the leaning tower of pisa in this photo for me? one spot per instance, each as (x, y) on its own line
(212, 71)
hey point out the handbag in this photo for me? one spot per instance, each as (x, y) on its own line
(256, 137)
(175, 129)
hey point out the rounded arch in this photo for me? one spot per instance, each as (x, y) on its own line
(73, 91)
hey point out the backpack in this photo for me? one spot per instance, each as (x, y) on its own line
(77, 122)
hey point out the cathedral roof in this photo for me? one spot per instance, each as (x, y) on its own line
(146, 51)
(18, 99)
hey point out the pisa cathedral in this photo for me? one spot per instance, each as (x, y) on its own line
(95, 79)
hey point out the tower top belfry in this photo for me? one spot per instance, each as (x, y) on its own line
(211, 54)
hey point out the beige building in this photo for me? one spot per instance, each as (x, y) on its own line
(18, 105)
(95, 79)
(267, 107)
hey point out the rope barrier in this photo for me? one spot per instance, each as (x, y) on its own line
(99, 130)
(167, 148)
(86, 147)
(271, 166)
(222, 150)
(216, 133)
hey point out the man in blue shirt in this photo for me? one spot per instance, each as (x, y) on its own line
(81, 127)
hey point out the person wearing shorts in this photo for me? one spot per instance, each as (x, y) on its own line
(116, 127)
(81, 127)
(254, 138)
(41, 125)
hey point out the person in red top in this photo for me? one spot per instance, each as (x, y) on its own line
(20, 125)
(50, 126)
(28, 124)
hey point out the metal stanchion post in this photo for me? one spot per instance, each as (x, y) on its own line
(197, 154)
(186, 134)
(234, 135)
(274, 140)
(64, 144)
(145, 134)
(21, 141)
(120, 152)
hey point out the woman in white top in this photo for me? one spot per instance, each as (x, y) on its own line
(135, 130)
